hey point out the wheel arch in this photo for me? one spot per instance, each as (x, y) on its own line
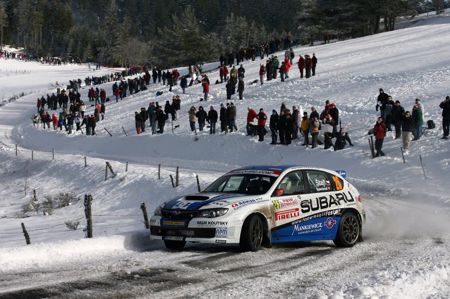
(356, 212)
(263, 219)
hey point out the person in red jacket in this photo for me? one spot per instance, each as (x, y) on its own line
(205, 85)
(380, 132)
(287, 67)
(55, 121)
(262, 118)
(251, 115)
(223, 73)
(301, 65)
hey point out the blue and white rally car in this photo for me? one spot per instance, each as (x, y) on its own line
(262, 205)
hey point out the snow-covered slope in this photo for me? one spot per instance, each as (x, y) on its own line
(405, 253)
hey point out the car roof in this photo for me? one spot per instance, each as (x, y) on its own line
(267, 167)
(278, 169)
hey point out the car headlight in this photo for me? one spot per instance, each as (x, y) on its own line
(212, 213)
(158, 210)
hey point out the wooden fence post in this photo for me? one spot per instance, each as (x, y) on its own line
(34, 195)
(85, 161)
(108, 132)
(32, 155)
(16, 151)
(171, 179)
(108, 166)
(159, 171)
(25, 234)
(198, 183)
(88, 214)
(144, 211)
(372, 150)
(177, 177)
(53, 154)
(126, 167)
(423, 168)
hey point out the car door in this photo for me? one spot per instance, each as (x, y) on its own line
(319, 207)
(286, 198)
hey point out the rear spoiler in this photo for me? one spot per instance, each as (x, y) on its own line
(342, 173)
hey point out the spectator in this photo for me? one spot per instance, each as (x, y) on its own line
(273, 124)
(262, 118)
(212, 120)
(380, 132)
(445, 106)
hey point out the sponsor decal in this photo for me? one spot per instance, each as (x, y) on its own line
(284, 203)
(319, 215)
(173, 223)
(287, 214)
(257, 171)
(307, 228)
(326, 202)
(329, 223)
(242, 203)
(153, 222)
(213, 223)
(221, 232)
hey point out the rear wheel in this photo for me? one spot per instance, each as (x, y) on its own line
(349, 230)
(252, 234)
(174, 245)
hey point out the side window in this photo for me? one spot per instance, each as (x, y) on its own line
(292, 184)
(319, 181)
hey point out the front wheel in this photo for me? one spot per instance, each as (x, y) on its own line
(174, 245)
(252, 234)
(349, 230)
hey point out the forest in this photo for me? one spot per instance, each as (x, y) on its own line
(170, 32)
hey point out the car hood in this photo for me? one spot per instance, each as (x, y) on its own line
(208, 200)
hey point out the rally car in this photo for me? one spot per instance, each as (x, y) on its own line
(262, 205)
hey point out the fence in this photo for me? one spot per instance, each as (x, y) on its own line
(28, 233)
(73, 224)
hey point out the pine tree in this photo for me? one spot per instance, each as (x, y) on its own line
(109, 33)
(3, 23)
(185, 42)
(236, 33)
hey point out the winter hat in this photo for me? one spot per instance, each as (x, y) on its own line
(274, 111)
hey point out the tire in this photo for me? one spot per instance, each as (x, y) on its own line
(349, 231)
(252, 234)
(174, 245)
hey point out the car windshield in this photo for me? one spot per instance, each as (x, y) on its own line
(251, 184)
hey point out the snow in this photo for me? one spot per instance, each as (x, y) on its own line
(405, 252)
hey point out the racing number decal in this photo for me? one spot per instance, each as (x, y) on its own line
(337, 183)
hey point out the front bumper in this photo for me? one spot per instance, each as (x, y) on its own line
(195, 230)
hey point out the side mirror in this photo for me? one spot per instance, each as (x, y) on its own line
(279, 192)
